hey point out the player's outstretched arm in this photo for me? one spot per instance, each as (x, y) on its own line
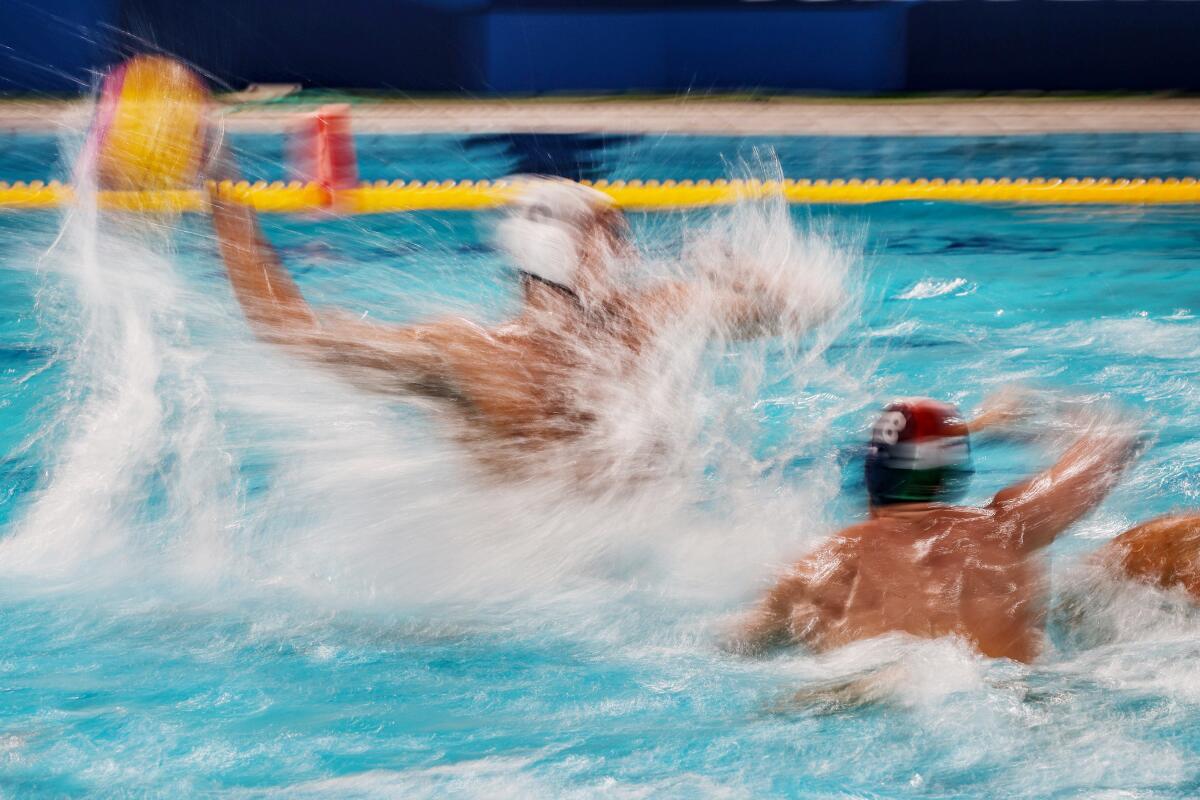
(403, 358)
(1040, 508)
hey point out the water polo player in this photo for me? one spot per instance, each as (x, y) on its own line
(515, 388)
(925, 567)
(519, 387)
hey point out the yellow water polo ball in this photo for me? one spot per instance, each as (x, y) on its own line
(149, 127)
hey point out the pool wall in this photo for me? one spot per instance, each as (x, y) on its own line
(534, 46)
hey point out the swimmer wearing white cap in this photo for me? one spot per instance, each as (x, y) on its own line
(925, 567)
(513, 386)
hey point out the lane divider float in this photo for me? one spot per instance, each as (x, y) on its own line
(382, 197)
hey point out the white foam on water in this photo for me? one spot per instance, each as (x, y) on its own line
(134, 409)
(904, 328)
(501, 777)
(1171, 338)
(929, 288)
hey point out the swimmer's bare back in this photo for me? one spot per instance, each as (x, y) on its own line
(932, 571)
(1164, 552)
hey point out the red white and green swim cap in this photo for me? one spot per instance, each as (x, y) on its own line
(920, 452)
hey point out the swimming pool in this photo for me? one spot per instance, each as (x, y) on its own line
(227, 574)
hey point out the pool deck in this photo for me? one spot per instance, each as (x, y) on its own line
(716, 116)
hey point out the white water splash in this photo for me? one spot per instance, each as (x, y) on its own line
(188, 457)
(929, 288)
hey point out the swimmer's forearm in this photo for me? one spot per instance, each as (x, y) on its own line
(1052, 501)
(266, 292)
(391, 359)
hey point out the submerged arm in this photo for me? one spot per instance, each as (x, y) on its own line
(751, 310)
(739, 312)
(767, 626)
(815, 590)
(744, 303)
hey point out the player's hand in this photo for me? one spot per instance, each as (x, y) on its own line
(1005, 410)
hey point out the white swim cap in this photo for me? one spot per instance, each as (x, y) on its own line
(541, 233)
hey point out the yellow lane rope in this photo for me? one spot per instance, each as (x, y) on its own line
(385, 196)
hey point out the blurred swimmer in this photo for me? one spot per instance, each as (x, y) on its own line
(1164, 552)
(522, 386)
(927, 568)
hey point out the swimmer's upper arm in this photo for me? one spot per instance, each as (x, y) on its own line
(408, 358)
(1040, 508)
(404, 358)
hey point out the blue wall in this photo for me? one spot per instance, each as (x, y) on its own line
(853, 48)
(530, 46)
(53, 45)
(1063, 45)
(377, 44)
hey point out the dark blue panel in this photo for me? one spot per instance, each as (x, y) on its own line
(550, 51)
(1055, 45)
(529, 46)
(843, 48)
(414, 46)
(859, 48)
(53, 45)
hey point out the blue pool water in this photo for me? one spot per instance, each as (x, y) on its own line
(224, 573)
(475, 157)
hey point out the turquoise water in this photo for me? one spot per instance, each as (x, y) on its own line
(444, 156)
(224, 573)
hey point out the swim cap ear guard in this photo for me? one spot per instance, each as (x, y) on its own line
(920, 452)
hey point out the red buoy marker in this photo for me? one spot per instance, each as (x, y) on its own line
(323, 149)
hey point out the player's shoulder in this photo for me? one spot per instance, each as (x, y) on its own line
(856, 536)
